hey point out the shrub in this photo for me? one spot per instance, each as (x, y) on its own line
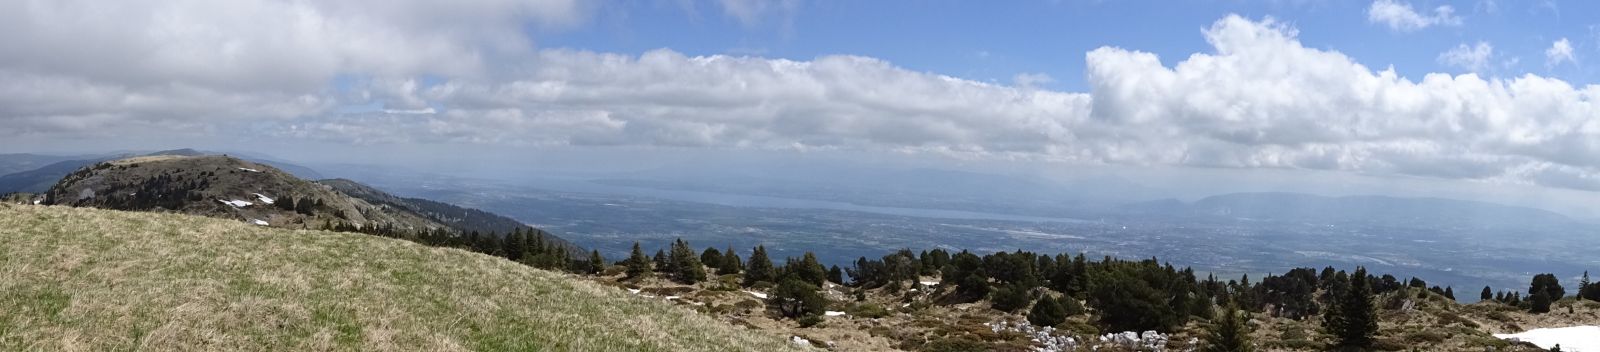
(794, 298)
(867, 310)
(810, 321)
(1009, 298)
(959, 344)
(1047, 312)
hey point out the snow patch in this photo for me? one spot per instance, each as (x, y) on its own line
(36, 202)
(633, 291)
(258, 222)
(236, 203)
(832, 313)
(249, 169)
(669, 298)
(263, 198)
(1572, 338)
(800, 341)
(929, 283)
(757, 294)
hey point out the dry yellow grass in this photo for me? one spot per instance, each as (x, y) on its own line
(77, 279)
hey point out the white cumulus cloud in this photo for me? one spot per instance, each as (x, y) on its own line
(1400, 16)
(1560, 51)
(1473, 58)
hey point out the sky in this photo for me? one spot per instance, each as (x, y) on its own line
(1486, 92)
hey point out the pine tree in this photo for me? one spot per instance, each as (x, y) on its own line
(514, 246)
(596, 263)
(1229, 332)
(1588, 290)
(1449, 293)
(1486, 295)
(836, 275)
(794, 298)
(711, 257)
(638, 264)
(686, 267)
(1352, 320)
(1539, 302)
(810, 270)
(1009, 298)
(759, 269)
(1047, 312)
(730, 263)
(662, 265)
(1544, 289)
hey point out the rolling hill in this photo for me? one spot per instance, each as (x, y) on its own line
(29, 173)
(231, 188)
(93, 279)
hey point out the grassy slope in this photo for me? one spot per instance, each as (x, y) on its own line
(88, 279)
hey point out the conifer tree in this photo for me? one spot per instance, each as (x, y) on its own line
(795, 298)
(638, 264)
(711, 257)
(1544, 289)
(514, 246)
(685, 266)
(596, 263)
(1352, 320)
(1588, 290)
(1229, 332)
(1047, 312)
(1009, 298)
(836, 275)
(1539, 302)
(1449, 293)
(1486, 295)
(759, 268)
(662, 265)
(730, 263)
(810, 270)
(967, 271)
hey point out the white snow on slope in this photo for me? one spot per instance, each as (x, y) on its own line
(236, 203)
(757, 294)
(1571, 339)
(258, 222)
(832, 313)
(263, 198)
(249, 169)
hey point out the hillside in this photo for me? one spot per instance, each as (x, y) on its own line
(458, 218)
(23, 173)
(221, 186)
(40, 179)
(91, 279)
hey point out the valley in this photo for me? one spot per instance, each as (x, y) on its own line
(610, 218)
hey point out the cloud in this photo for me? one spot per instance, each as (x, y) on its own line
(1400, 17)
(91, 64)
(1031, 80)
(1257, 99)
(1471, 58)
(665, 98)
(1560, 51)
